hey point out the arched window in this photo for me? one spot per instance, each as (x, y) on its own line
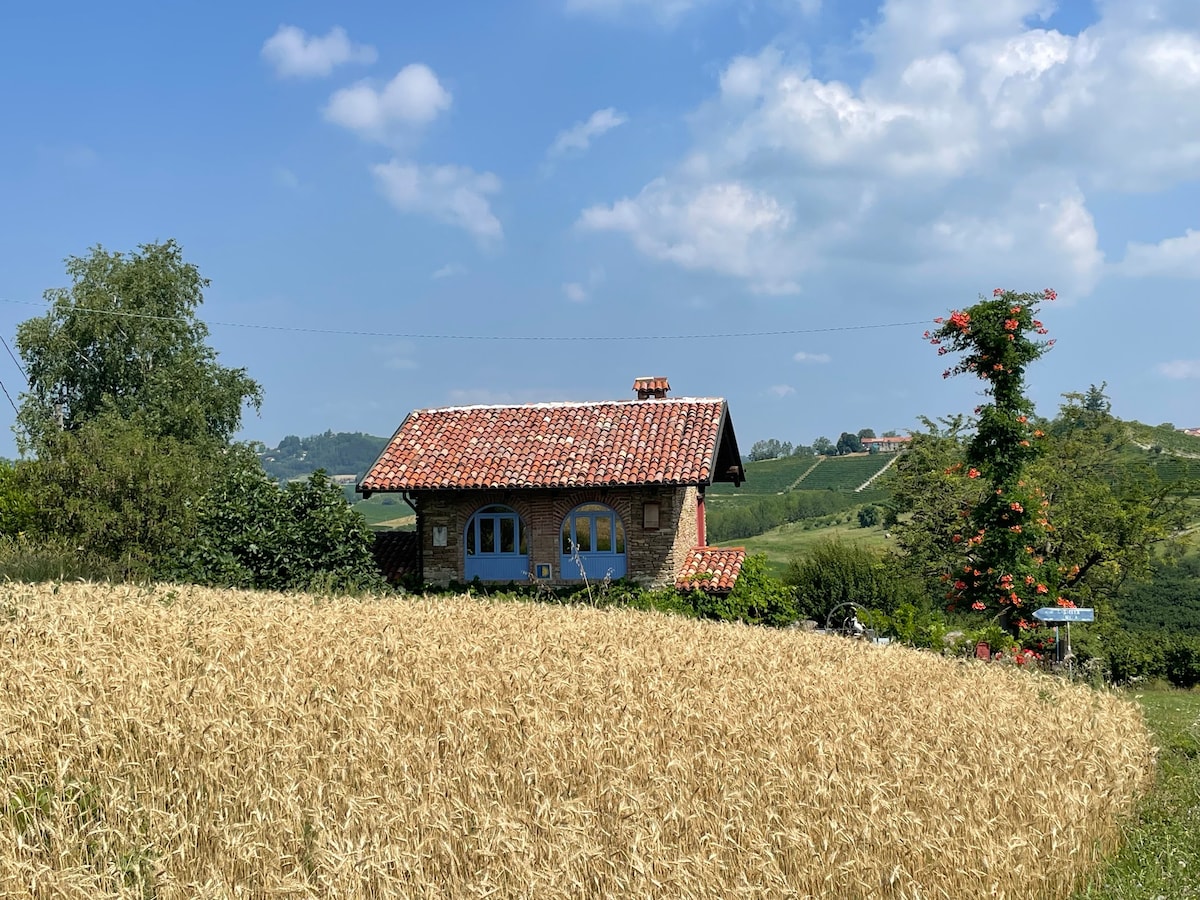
(593, 543)
(496, 545)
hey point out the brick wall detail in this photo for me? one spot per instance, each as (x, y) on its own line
(653, 557)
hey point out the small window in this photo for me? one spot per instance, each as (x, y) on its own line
(650, 516)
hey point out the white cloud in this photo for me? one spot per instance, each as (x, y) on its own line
(1177, 257)
(412, 99)
(581, 291)
(726, 227)
(295, 54)
(581, 135)
(974, 144)
(781, 390)
(455, 195)
(804, 357)
(1180, 368)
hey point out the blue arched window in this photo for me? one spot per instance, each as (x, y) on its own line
(496, 545)
(593, 543)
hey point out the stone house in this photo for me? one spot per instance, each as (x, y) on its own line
(560, 492)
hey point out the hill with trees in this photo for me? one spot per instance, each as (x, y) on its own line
(338, 453)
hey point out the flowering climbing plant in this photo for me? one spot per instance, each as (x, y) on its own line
(1002, 569)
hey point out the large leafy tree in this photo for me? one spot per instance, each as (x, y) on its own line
(128, 413)
(125, 338)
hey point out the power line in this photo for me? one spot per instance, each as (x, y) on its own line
(433, 336)
(16, 361)
(10, 399)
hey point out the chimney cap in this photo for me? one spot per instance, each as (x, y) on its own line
(648, 386)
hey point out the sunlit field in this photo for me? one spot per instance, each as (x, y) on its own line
(159, 742)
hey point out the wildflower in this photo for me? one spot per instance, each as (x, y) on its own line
(972, 473)
(978, 605)
(1050, 294)
(997, 292)
(1016, 507)
(1042, 589)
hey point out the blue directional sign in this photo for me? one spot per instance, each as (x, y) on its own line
(1065, 614)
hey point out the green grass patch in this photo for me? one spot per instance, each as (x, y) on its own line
(1161, 856)
(781, 545)
(383, 510)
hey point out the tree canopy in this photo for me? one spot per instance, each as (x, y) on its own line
(125, 337)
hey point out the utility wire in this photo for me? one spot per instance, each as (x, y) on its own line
(431, 336)
(14, 359)
(10, 399)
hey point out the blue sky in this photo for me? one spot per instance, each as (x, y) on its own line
(604, 168)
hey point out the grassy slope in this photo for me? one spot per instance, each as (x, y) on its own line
(1161, 857)
(381, 515)
(781, 544)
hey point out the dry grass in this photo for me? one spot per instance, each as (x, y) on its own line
(158, 743)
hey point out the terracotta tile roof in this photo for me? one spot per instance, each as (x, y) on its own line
(397, 554)
(711, 569)
(553, 445)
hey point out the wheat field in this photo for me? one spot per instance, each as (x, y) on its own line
(177, 742)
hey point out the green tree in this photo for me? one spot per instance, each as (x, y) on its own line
(768, 449)
(115, 489)
(125, 338)
(849, 443)
(18, 512)
(823, 446)
(253, 532)
(128, 414)
(868, 516)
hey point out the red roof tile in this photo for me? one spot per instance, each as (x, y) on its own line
(552, 445)
(397, 554)
(711, 569)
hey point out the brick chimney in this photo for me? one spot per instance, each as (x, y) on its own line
(651, 387)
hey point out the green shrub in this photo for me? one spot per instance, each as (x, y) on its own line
(758, 598)
(833, 573)
(252, 533)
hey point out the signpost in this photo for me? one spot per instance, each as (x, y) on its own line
(1064, 614)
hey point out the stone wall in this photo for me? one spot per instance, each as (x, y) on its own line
(653, 557)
